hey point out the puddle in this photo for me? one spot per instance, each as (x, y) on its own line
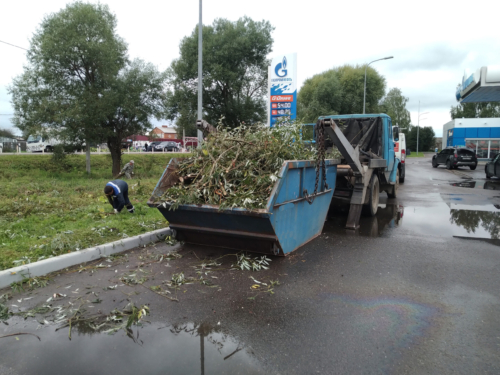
(388, 216)
(154, 349)
(477, 184)
(456, 215)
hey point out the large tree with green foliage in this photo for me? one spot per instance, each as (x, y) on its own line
(340, 91)
(79, 84)
(234, 73)
(394, 104)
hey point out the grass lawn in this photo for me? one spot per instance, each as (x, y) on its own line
(48, 208)
(420, 154)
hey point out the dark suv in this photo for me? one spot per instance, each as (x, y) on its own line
(454, 157)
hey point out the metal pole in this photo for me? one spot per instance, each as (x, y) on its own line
(366, 67)
(364, 91)
(202, 353)
(418, 124)
(200, 73)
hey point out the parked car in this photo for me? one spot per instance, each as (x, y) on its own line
(492, 168)
(454, 157)
(167, 146)
(400, 152)
(151, 145)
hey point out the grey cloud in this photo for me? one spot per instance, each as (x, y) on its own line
(470, 54)
(432, 57)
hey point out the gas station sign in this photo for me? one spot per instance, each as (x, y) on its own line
(282, 89)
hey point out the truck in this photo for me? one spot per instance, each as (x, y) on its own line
(38, 143)
(44, 143)
(400, 152)
(305, 190)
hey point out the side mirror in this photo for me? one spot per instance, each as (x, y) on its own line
(395, 133)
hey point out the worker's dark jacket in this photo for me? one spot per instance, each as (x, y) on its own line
(119, 199)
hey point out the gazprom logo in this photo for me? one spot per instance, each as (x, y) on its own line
(280, 69)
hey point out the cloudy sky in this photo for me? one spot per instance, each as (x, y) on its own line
(433, 42)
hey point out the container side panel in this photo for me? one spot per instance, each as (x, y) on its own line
(222, 220)
(290, 186)
(298, 222)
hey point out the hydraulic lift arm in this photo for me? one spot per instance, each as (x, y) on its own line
(362, 173)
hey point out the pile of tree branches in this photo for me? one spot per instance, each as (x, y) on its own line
(238, 167)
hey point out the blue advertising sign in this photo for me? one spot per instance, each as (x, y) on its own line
(283, 88)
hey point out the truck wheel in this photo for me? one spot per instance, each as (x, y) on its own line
(370, 209)
(393, 193)
(402, 176)
(434, 163)
(448, 165)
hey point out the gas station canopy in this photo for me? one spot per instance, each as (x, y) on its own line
(481, 86)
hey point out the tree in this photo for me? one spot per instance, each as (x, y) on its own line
(7, 133)
(136, 95)
(234, 73)
(321, 95)
(340, 91)
(394, 105)
(79, 84)
(475, 110)
(425, 138)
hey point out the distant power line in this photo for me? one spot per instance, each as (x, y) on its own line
(13, 45)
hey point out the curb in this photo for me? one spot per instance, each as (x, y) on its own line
(60, 262)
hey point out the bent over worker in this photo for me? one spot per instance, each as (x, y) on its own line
(117, 193)
(127, 170)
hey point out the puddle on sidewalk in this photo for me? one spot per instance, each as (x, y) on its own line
(455, 215)
(154, 349)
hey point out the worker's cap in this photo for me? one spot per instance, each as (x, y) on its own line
(108, 190)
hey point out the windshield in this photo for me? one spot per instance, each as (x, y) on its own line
(34, 139)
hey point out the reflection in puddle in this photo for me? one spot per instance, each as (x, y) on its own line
(479, 184)
(455, 216)
(388, 216)
(174, 349)
(473, 220)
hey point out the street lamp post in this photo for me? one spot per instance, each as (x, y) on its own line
(366, 67)
(418, 122)
(200, 73)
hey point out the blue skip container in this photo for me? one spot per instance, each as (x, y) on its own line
(286, 223)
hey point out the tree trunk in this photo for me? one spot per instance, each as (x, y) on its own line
(87, 157)
(116, 156)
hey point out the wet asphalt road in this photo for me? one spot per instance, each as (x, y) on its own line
(414, 291)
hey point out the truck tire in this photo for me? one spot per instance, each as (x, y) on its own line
(370, 209)
(402, 175)
(393, 192)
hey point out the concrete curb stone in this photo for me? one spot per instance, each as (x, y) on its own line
(60, 262)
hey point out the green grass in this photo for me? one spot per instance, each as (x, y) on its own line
(420, 154)
(48, 208)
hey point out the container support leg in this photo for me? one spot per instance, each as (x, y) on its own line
(353, 217)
